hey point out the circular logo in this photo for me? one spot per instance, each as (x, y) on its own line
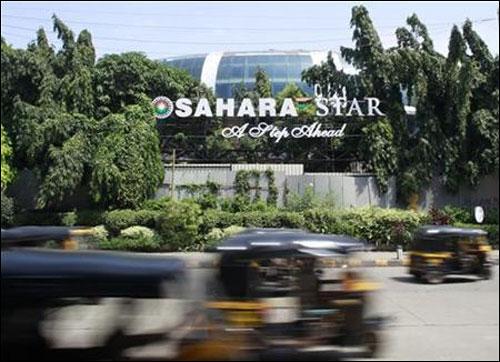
(163, 107)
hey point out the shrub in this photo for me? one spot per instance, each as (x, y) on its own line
(439, 217)
(383, 228)
(309, 200)
(266, 219)
(90, 217)
(99, 236)
(491, 229)
(491, 216)
(156, 204)
(7, 211)
(69, 218)
(216, 234)
(129, 244)
(118, 220)
(137, 232)
(178, 224)
(458, 214)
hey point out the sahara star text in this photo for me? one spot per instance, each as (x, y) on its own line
(267, 107)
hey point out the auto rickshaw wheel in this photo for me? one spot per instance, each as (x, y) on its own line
(434, 276)
(370, 342)
(485, 272)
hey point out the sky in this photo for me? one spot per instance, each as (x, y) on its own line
(168, 29)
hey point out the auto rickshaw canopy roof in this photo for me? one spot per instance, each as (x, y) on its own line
(445, 231)
(288, 241)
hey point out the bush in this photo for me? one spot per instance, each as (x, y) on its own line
(383, 228)
(491, 229)
(491, 216)
(458, 214)
(244, 204)
(69, 219)
(129, 244)
(137, 232)
(309, 200)
(117, 220)
(7, 211)
(156, 204)
(216, 234)
(267, 219)
(99, 235)
(178, 224)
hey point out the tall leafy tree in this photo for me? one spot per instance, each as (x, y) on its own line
(126, 167)
(7, 172)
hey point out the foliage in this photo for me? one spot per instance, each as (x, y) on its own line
(7, 172)
(491, 229)
(156, 204)
(7, 211)
(272, 190)
(216, 234)
(309, 200)
(122, 79)
(262, 84)
(458, 214)
(141, 244)
(127, 166)
(438, 217)
(383, 228)
(63, 112)
(117, 220)
(137, 232)
(178, 224)
(99, 235)
(378, 147)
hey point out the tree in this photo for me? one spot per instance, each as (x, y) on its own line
(122, 79)
(126, 167)
(57, 108)
(7, 172)
(262, 84)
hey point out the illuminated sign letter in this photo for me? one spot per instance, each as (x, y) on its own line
(288, 109)
(246, 108)
(224, 106)
(267, 105)
(373, 104)
(183, 107)
(203, 108)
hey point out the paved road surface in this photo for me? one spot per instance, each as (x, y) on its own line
(457, 320)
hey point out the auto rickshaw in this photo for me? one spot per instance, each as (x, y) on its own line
(77, 305)
(278, 302)
(439, 251)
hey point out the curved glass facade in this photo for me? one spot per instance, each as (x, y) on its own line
(232, 69)
(281, 70)
(193, 65)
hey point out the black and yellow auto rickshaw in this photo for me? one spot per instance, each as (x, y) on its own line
(76, 305)
(279, 302)
(439, 251)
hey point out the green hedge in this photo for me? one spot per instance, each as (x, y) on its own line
(143, 244)
(491, 229)
(183, 225)
(266, 219)
(117, 220)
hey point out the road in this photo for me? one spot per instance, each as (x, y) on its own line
(457, 320)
